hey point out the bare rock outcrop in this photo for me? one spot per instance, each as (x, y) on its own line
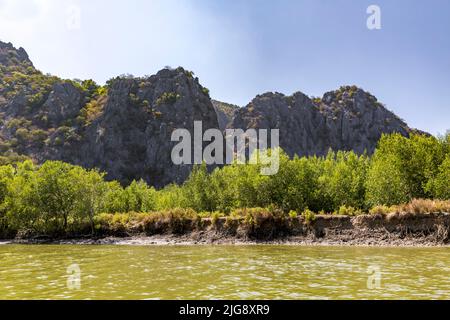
(225, 112)
(132, 138)
(346, 119)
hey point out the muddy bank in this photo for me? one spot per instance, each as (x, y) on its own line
(431, 229)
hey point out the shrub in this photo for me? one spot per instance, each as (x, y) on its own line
(349, 211)
(36, 99)
(92, 110)
(176, 221)
(23, 135)
(168, 98)
(38, 135)
(383, 210)
(215, 217)
(308, 215)
(205, 91)
(113, 223)
(134, 99)
(293, 214)
(189, 74)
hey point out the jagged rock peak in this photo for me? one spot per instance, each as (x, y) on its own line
(347, 93)
(10, 56)
(345, 119)
(296, 99)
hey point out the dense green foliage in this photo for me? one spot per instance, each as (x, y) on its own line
(315, 183)
(403, 169)
(58, 198)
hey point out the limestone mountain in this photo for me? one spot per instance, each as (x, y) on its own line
(345, 119)
(124, 128)
(131, 137)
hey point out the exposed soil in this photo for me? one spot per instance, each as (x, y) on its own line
(431, 229)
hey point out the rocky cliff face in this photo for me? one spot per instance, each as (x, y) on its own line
(10, 56)
(225, 113)
(34, 108)
(125, 127)
(346, 119)
(131, 139)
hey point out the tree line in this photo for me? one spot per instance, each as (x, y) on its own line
(57, 198)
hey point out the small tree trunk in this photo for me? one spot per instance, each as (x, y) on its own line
(91, 218)
(65, 222)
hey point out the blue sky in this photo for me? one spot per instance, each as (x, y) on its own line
(240, 48)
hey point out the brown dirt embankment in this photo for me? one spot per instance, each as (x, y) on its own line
(396, 229)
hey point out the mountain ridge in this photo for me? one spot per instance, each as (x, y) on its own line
(124, 127)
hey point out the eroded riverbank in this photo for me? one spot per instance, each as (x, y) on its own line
(431, 229)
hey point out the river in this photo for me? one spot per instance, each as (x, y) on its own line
(222, 272)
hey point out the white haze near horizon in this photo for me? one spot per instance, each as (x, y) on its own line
(242, 48)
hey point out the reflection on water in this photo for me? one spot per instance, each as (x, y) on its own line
(223, 272)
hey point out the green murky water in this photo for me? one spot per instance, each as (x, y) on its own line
(223, 272)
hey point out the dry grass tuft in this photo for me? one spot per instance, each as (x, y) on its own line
(421, 206)
(415, 206)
